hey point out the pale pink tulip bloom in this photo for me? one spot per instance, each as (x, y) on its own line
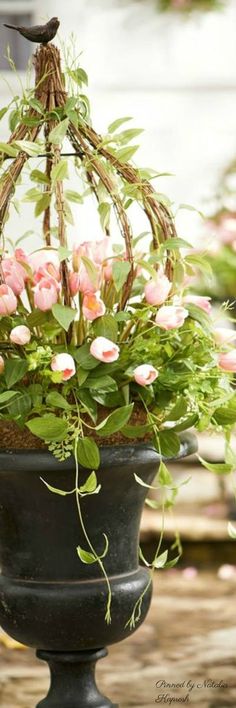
(145, 374)
(2, 365)
(74, 283)
(107, 270)
(157, 290)
(14, 274)
(227, 361)
(39, 258)
(49, 270)
(171, 316)
(227, 231)
(20, 335)
(21, 256)
(85, 284)
(45, 294)
(64, 363)
(222, 335)
(201, 301)
(93, 306)
(104, 350)
(8, 301)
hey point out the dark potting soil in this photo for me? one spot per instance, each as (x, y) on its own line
(13, 437)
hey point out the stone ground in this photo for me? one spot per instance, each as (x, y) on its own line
(189, 636)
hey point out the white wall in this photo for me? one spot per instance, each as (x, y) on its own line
(176, 76)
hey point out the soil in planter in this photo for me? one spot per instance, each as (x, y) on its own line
(13, 437)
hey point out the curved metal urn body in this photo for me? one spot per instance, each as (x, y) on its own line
(49, 599)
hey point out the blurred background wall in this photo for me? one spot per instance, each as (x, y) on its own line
(176, 75)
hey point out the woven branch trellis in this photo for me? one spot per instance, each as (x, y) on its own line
(95, 157)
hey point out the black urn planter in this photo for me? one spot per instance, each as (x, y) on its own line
(49, 599)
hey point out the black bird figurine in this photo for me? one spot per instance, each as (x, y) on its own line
(40, 33)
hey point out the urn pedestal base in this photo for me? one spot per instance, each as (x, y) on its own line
(73, 682)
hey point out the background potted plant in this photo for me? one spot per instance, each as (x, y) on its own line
(105, 359)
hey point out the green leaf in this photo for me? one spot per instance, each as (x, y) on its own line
(29, 147)
(3, 111)
(117, 123)
(32, 195)
(88, 453)
(73, 196)
(8, 150)
(169, 443)
(6, 396)
(164, 476)
(200, 262)
(101, 383)
(60, 171)
(231, 530)
(91, 269)
(21, 405)
(14, 371)
(189, 422)
(226, 415)
(84, 358)
(58, 133)
(63, 253)
(179, 410)
(104, 210)
(125, 154)
(42, 204)
(85, 556)
(136, 431)
(128, 135)
(61, 492)
(173, 244)
(189, 207)
(88, 403)
(120, 272)
(172, 562)
(161, 560)
(142, 483)
(49, 428)
(199, 315)
(64, 315)
(78, 75)
(37, 318)
(39, 177)
(56, 400)
(90, 485)
(115, 421)
(218, 467)
(106, 326)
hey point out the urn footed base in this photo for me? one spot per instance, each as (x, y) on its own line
(73, 682)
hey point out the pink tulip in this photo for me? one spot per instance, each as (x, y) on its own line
(171, 316)
(200, 301)
(104, 350)
(8, 301)
(21, 256)
(45, 294)
(64, 363)
(49, 270)
(93, 306)
(39, 258)
(227, 231)
(227, 361)
(74, 283)
(107, 270)
(157, 290)
(145, 374)
(222, 335)
(20, 335)
(14, 274)
(85, 284)
(99, 250)
(2, 365)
